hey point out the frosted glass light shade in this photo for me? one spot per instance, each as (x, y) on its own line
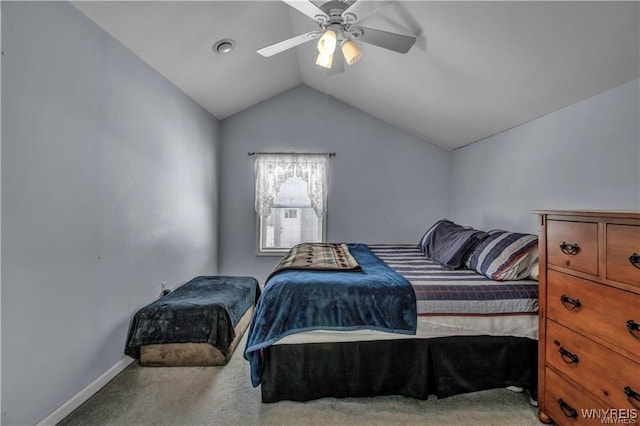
(351, 52)
(327, 43)
(325, 60)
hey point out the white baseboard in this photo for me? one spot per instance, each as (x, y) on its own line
(65, 409)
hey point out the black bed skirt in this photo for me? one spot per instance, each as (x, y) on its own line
(414, 368)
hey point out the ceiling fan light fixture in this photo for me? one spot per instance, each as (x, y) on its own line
(325, 60)
(338, 28)
(327, 43)
(351, 52)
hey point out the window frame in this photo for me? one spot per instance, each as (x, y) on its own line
(279, 252)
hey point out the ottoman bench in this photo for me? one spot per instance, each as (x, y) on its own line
(199, 323)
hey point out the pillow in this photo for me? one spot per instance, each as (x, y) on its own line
(450, 244)
(426, 236)
(534, 271)
(505, 255)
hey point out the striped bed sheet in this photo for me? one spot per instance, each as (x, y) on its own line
(449, 303)
(442, 292)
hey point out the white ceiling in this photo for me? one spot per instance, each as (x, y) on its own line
(477, 68)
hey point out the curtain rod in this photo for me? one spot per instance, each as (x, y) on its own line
(330, 154)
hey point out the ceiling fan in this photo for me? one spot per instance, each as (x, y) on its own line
(337, 20)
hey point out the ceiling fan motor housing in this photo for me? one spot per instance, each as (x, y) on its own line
(338, 21)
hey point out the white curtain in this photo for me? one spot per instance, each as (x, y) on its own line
(272, 170)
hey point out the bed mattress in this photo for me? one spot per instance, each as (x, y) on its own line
(449, 303)
(429, 327)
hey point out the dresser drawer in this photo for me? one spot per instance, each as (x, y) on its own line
(605, 373)
(567, 403)
(595, 309)
(573, 245)
(623, 241)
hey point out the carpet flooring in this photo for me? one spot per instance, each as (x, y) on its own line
(224, 396)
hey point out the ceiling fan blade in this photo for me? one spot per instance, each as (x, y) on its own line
(307, 8)
(363, 8)
(337, 66)
(392, 41)
(288, 44)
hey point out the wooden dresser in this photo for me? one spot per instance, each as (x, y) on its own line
(589, 353)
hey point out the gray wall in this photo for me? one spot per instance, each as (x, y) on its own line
(385, 185)
(0, 219)
(585, 156)
(109, 187)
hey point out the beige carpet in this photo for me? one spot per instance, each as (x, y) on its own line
(224, 396)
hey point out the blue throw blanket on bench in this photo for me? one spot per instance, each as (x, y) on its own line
(204, 310)
(376, 298)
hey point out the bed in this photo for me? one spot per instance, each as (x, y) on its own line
(199, 323)
(470, 333)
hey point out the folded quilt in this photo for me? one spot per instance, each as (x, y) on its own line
(319, 257)
(376, 298)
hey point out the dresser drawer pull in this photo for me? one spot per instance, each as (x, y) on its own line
(634, 258)
(569, 248)
(567, 410)
(633, 326)
(630, 393)
(572, 304)
(568, 357)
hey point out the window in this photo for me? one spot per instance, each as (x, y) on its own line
(290, 200)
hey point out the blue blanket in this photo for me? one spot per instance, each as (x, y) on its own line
(376, 298)
(204, 310)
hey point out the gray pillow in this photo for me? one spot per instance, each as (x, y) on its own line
(427, 235)
(449, 244)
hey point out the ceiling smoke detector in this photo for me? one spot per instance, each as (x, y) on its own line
(223, 46)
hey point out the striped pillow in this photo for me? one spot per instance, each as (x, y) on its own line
(504, 256)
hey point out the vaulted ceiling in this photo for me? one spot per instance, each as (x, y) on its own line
(477, 68)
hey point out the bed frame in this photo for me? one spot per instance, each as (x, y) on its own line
(416, 368)
(413, 366)
(193, 354)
